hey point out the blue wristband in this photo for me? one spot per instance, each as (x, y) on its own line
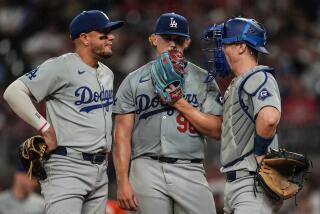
(261, 144)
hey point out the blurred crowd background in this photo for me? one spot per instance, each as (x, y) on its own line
(32, 31)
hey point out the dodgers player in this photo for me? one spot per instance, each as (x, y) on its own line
(165, 143)
(78, 90)
(251, 112)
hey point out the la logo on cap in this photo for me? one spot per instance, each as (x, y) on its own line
(173, 23)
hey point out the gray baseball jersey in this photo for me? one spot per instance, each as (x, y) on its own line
(160, 129)
(78, 101)
(237, 127)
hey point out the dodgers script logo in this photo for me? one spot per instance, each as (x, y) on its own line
(173, 23)
(93, 99)
(150, 106)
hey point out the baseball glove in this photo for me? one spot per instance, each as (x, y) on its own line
(169, 69)
(32, 153)
(281, 173)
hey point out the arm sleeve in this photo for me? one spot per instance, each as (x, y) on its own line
(18, 97)
(214, 101)
(124, 100)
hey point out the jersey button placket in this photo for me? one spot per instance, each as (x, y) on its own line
(163, 131)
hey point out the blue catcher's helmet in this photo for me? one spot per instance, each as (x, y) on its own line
(245, 30)
(235, 30)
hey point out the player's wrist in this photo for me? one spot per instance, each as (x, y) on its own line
(44, 127)
(123, 180)
(261, 144)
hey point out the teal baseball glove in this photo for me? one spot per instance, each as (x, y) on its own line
(168, 70)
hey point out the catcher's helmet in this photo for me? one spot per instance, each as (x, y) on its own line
(245, 30)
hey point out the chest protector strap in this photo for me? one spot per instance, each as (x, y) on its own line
(243, 106)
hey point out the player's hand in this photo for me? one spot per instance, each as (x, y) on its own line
(170, 88)
(126, 198)
(50, 138)
(259, 158)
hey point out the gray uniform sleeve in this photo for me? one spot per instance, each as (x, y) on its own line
(268, 95)
(46, 79)
(214, 101)
(124, 100)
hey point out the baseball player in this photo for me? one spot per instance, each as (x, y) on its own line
(165, 143)
(251, 112)
(78, 90)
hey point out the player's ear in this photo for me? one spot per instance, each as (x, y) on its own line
(153, 40)
(84, 39)
(242, 47)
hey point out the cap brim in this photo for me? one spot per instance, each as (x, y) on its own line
(173, 33)
(114, 25)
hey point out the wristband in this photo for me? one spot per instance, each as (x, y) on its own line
(261, 144)
(44, 127)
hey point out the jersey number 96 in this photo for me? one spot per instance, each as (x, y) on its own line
(184, 125)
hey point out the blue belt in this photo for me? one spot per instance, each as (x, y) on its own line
(175, 160)
(96, 158)
(236, 174)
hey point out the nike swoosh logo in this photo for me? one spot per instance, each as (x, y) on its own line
(143, 80)
(81, 72)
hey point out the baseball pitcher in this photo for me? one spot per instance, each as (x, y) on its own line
(163, 111)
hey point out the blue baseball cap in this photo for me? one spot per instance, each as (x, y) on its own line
(91, 20)
(172, 24)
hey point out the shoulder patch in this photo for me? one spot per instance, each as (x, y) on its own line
(264, 94)
(32, 74)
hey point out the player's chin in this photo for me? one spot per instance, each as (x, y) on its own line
(108, 55)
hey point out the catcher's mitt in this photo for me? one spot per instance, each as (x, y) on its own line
(169, 68)
(32, 153)
(281, 173)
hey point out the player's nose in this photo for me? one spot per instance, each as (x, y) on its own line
(111, 36)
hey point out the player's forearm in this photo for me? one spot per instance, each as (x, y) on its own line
(206, 124)
(121, 158)
(18, 97)
(122, 146)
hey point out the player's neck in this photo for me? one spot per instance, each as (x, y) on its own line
(87, 58)
(244, 66)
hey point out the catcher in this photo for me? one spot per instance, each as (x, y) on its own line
(252, 110)
(163, 111)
